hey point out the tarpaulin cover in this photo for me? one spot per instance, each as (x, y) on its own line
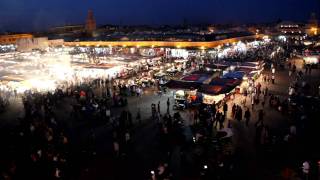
(174, 84)
(196, 77)
(225, 82)
(216, 66)
(203, 72)
(234, 75)
(215, 90)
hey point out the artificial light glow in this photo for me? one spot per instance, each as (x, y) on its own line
(307, 43)
(45, 72)
(314, 30)
(311, 60)
(282, 38)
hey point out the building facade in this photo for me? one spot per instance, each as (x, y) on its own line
(12, 39)
(291, 30)
(29, 44)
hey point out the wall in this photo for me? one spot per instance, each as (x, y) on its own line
(28, 44)
(184, 44)
(12, 39)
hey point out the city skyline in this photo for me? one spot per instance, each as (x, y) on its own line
(19, 15)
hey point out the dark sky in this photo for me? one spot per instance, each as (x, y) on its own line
(24, 15)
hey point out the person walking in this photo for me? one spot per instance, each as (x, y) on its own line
(247, 116)
(108, 114)
(233, 111)
(239, 113)
(159, 106)
(138, 118)
(225, 109)
(221, 120)
(273, 71)
(260, 117)
(116, 148)
(265, 93)
(252, 102)
(310, 69)
(153, 110)
(218, 117)
(272, 79)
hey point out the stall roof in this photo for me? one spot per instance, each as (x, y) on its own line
(214, 89)
(225, 82)
(238, 63)
(234, 75)
(196, 77)
(216, 66)
(203, 72)
(174, 84)
(244, 69)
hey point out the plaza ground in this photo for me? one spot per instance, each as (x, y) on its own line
(251, 164)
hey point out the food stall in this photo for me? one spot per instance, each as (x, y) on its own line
(185, 98)
(185, 91)
(172, 71)
(161, 77)
(219, 89)
(311, 60)
(211, 94)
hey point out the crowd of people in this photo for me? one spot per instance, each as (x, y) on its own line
(43, 146)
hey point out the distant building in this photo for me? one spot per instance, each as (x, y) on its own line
(76, 30)
(68, 29)
(312, 28)
(291, 30)
(29, 44)
(12, 39)
(56, 42)
(90, 23)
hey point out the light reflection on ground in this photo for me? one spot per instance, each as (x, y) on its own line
(46, 71)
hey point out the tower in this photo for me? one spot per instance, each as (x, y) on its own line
(313, 20)
(90, 23)
(312, 26)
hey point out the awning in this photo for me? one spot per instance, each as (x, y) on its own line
(174, 84)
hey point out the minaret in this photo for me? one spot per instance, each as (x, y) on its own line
(90, 23)
(312, 26)
(313, 20)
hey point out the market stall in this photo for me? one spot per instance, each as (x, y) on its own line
(211, 94)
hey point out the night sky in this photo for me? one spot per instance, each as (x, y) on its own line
(24, 15)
